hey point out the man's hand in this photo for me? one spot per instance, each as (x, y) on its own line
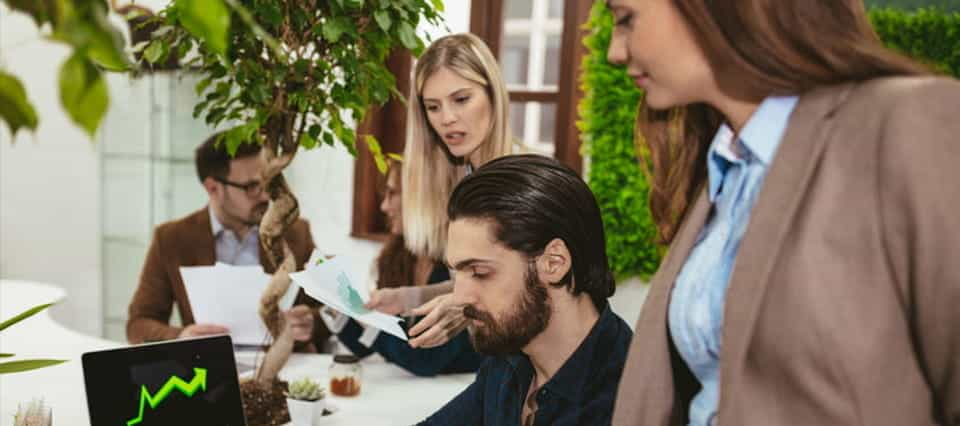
(444, 320)
(194, 330)
(300, 318)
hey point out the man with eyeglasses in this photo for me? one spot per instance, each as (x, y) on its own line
(225, 231)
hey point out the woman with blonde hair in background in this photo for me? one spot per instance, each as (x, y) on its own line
(806, 178)
(459, 117)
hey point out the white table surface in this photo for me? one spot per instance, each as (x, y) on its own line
(389, 395)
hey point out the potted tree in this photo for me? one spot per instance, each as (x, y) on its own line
(288, 74)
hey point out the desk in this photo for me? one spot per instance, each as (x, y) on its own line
(390, 395)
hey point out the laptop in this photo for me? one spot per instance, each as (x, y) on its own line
(181, 382)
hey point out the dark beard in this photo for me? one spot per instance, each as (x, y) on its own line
(252, 219)
(515, 331)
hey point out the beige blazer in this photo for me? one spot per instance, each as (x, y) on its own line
(843, 307)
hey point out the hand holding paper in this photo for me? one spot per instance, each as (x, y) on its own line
(334, 283)
(229, 296)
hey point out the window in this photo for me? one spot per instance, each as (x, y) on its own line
(538, 44)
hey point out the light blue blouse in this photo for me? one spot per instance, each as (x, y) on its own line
(736, 167)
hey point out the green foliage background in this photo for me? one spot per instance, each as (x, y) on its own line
(608, 111)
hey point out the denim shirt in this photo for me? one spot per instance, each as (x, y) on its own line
(582, 392)
(735, 168)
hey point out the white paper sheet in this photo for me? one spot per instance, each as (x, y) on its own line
(229, 295)
(328, 283)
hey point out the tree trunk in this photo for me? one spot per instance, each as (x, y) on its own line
(283, 212)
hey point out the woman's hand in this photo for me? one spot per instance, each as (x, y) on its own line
(392, 301)
(443, 321)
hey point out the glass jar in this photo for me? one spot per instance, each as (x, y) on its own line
(345, 375)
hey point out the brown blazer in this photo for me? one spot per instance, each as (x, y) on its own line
(189, 242)
(844, 303)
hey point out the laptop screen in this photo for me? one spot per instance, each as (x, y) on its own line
(183, 382)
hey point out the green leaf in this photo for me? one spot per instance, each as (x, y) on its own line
(407, 36)
(383, 19)
(395, 156)
(377, 153)
(41, 11)
(107, 44)
(24, 315)
(240, 135)
(334, 28)
(2, 355)
(83, 92)
(437, 4)
(208, 20)
(154, 51)
(27, 365)
(85, 26)
(307, 141)
(202, 85)
(15, 109)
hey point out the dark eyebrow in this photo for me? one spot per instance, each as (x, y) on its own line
(463, 264)
(453, 93)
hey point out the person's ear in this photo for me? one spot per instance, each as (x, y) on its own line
(210, 185)
(555, 262)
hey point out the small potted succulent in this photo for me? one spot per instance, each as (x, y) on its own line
(305, 401)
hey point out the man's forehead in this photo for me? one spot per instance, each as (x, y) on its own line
(471, 238)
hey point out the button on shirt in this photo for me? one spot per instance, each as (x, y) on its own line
(231, 250)
(581, 392)
(736, 168)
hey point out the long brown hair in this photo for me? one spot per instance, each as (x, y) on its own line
(756, 48)
(396, 265)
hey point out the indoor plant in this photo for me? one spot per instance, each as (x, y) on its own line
(292, 74)
(305, 401)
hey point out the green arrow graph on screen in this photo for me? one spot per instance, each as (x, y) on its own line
(199, 382)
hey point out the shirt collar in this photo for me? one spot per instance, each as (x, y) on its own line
(218, 227)
(215, 224)
(759, 139)
(570, 380)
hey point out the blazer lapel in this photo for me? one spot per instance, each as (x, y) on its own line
(776, 205)
(201, 241)
(646, 394)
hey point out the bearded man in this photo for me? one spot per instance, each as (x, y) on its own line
(527, 255)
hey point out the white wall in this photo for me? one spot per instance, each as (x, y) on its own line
(50, 182)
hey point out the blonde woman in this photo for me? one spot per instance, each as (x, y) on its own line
(458, 113)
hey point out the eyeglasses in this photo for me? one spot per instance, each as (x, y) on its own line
(252, 188)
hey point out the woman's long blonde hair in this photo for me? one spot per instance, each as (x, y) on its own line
(430, 172)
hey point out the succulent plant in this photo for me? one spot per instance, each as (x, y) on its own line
(305, 389)
(36, 413)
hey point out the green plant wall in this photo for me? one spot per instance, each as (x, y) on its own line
(609, 106)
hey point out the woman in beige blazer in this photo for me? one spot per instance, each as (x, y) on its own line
(808, 182)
